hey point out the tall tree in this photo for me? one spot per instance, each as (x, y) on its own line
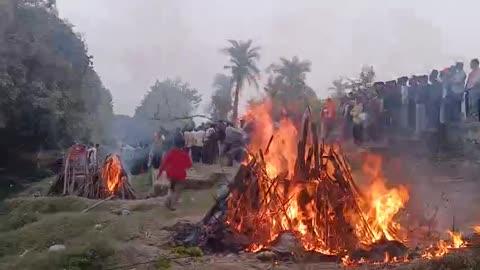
(50, 94)
(243, 65)
(221, 104)
(291, 72)
(287, 87)
(166, 101)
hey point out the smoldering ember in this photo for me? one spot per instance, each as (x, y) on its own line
(239, 135)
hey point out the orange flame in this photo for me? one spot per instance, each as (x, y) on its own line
(457, 239)
(442, 247)
(294, 205)
(384, 203)
(112, 173)
(283, 149)
(476, 229)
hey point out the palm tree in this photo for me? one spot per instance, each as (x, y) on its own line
(291, 72)
(288, 78)
(243, 58)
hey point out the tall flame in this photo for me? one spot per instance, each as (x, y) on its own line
(294, 205)
(383, 203)
(112, 173)
(283, 149)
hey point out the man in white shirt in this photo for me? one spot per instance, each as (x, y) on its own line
(473, 89)
(92, 155)
(197, 147)
(402, 83)
(458, 87)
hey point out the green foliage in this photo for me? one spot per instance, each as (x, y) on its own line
(89, 256)
(163, 263)
(46, 205)
(221, 104)
(165, 101)
(50, 94)
(287, 88)
(243, 65)
(183, 251)
(17, 220)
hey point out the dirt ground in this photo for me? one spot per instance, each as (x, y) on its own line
(132, 235)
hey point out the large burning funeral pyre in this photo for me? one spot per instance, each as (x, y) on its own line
(298, 184)
(292, 183)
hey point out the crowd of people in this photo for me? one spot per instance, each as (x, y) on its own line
(208, 143)
(414, 105)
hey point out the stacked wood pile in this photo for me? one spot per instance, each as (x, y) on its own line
(242, 217)
(78, 177)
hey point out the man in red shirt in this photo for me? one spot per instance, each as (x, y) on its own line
(175, 163)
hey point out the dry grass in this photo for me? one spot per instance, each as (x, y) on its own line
(31, 225)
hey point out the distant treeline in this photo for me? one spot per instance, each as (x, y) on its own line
(50, 95)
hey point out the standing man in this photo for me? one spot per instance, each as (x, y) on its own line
(155, 154)
(197, 146)
(445, 111)
(402, 83)
(394, 103)
(210, 147)
(473, 89)
(329, 114)
(188, 138)
(421, 100)
(412, 92)
(234, 144)
(357, 112)
(434, 100)
(458, 77)
(92, 155)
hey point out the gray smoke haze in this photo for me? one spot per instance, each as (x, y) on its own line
(136, 42)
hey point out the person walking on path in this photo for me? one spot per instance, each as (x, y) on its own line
(175, 164)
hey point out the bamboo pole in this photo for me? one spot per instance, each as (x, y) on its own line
(97, 203)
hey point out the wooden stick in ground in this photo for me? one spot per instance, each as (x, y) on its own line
(65, 176)
(316, 157)
(97, 204)
(308, 163)
(268, 145)
(299, 173)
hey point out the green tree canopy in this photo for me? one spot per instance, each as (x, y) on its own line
(221, 104)
(166, 101)
(50, 95)
(287, 88)
(243, 66)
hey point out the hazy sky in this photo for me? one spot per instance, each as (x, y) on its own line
(135, 42)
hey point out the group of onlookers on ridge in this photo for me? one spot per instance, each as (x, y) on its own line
(408, 105)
